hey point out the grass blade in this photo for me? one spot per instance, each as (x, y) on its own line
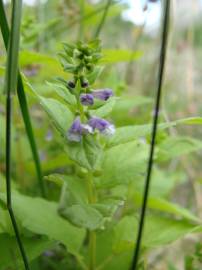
(13, 48)
(23, 104)
(10, 87)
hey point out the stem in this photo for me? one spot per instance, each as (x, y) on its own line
(100, 26)
(81, 25)
(92, 250)
(92, 234)
(134, 265)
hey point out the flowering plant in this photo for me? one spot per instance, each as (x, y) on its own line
(101, 187)
(85, 135)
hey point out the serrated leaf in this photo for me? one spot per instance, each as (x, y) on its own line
(122, 163)
(87, 153)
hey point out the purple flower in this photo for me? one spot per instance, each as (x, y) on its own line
(77, 129)
(103, 94)
(102, 125)
(86, 99)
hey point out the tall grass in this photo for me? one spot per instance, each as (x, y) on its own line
(23, 103)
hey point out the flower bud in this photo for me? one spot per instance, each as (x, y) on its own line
(103, 94)
(84, 84)
(86, 99)
(71, 84)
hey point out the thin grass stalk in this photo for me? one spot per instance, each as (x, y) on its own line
(23, 104)
(81, 23)
(104, 16)
(10, 88)
(79, 20)
(164, 38)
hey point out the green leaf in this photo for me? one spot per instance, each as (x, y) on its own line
(167, 207)
(130, 133)
(176, 146)
(63, 92)
(127, 106)
(83, 215)
(191, 121)
(73, 191)
(87, 153)
(5, 222)
(13, 48)
(108, 207)
(73, 205)
(122, 163)
(158, 231)
(104, 110)
(59, 114)
(91, 77)
(10, 255)
(40, 216)
(115, 56)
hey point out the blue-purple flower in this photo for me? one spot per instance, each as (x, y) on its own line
(86, 99)
(102, 125)
(102, 94)
(78, 129)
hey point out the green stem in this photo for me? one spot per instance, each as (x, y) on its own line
(92, 234)
(92, 250)
(101, 24)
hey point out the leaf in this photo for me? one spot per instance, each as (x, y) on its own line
(104, 110)
(158, 231)
(119, 55)
(166, 206)
(40, 216)
(13, 48)
(87, 153)
(73, 191)
(5, 222)
(130, 133)
(123, 163)
(84, 216)
(124, 111)
(108, 207)
(59, 114)
(191, 121)
(91, 77)
(49, 64)
(74, 204)
(63, 92)
(10, 255)
(176, 146)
